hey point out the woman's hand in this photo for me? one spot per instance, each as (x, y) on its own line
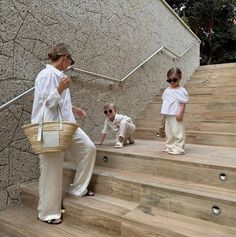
(63, 84)
(79, 112)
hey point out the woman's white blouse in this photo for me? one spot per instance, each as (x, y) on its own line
(46, 89)
(172, 98)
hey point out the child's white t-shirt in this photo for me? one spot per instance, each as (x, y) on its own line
(112, 124)
(172, 98)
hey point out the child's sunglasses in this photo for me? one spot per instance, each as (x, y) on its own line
(172, 80)
(109, 111)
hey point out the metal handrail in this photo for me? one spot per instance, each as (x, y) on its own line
(94, 74)
(16, 98)
(106, 77)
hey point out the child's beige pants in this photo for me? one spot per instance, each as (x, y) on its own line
(126, 129)
(50, 182)
(175, 134)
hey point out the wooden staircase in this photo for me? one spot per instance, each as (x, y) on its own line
(143, 192)
(211, 112)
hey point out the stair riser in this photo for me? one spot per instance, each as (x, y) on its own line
(192, 172)
(153, 108)
(198, 96)
(209, 139)
(147, 124)
(97, 220)
(202, 114)
(188, 124)
(192, 138)
(199, 116)
(167, 199)
(229, 116)
(221, 77)
(194, 206)
(202, 100)
(146, 134)
(210, 108)
(93, 219)
(29, 200)
(221, 91)
(218, 127)
(191, 87)
(79, 215)
(224, 74)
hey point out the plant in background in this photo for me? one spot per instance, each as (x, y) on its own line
(214, 22)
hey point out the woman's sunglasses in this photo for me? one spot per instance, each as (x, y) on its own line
(172, 80)
(109, 111)
(71, 60)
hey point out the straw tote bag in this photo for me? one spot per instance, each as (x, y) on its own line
(50, 136)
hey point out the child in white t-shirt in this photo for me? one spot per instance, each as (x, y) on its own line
(174, 99)
(119, 123)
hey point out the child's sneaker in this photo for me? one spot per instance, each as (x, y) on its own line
(166, 149)
(119, 144)
(176, 152)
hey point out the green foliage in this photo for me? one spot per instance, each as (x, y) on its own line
(214, 22)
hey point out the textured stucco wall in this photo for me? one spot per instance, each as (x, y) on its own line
(109, 37)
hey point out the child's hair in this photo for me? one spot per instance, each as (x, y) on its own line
(174, 71)
(58, 50)
(106, 106)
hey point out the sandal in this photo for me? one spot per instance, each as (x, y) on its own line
(89, 193)
(53, 221)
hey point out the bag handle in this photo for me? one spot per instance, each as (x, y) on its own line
(41, 121)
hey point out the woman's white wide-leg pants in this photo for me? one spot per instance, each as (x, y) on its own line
(50, 182)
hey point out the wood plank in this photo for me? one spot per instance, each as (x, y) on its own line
(174, 225)
(176, 169)
(197, 154)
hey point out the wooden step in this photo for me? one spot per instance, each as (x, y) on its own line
(223, 90)
(178, 196)
(174, 195)
(201, 164)
(208, 98)
(100, 212)
(218, 138)
(211, 138)
(212, 109)
(215, 67)
(147, 133)
(171, 224)
(194, 125)
(215, 81)
(211, 126)
(22, 222)
(142, 122)
(154, 109)
(226, 77)
(130, 219)
(211, 116)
